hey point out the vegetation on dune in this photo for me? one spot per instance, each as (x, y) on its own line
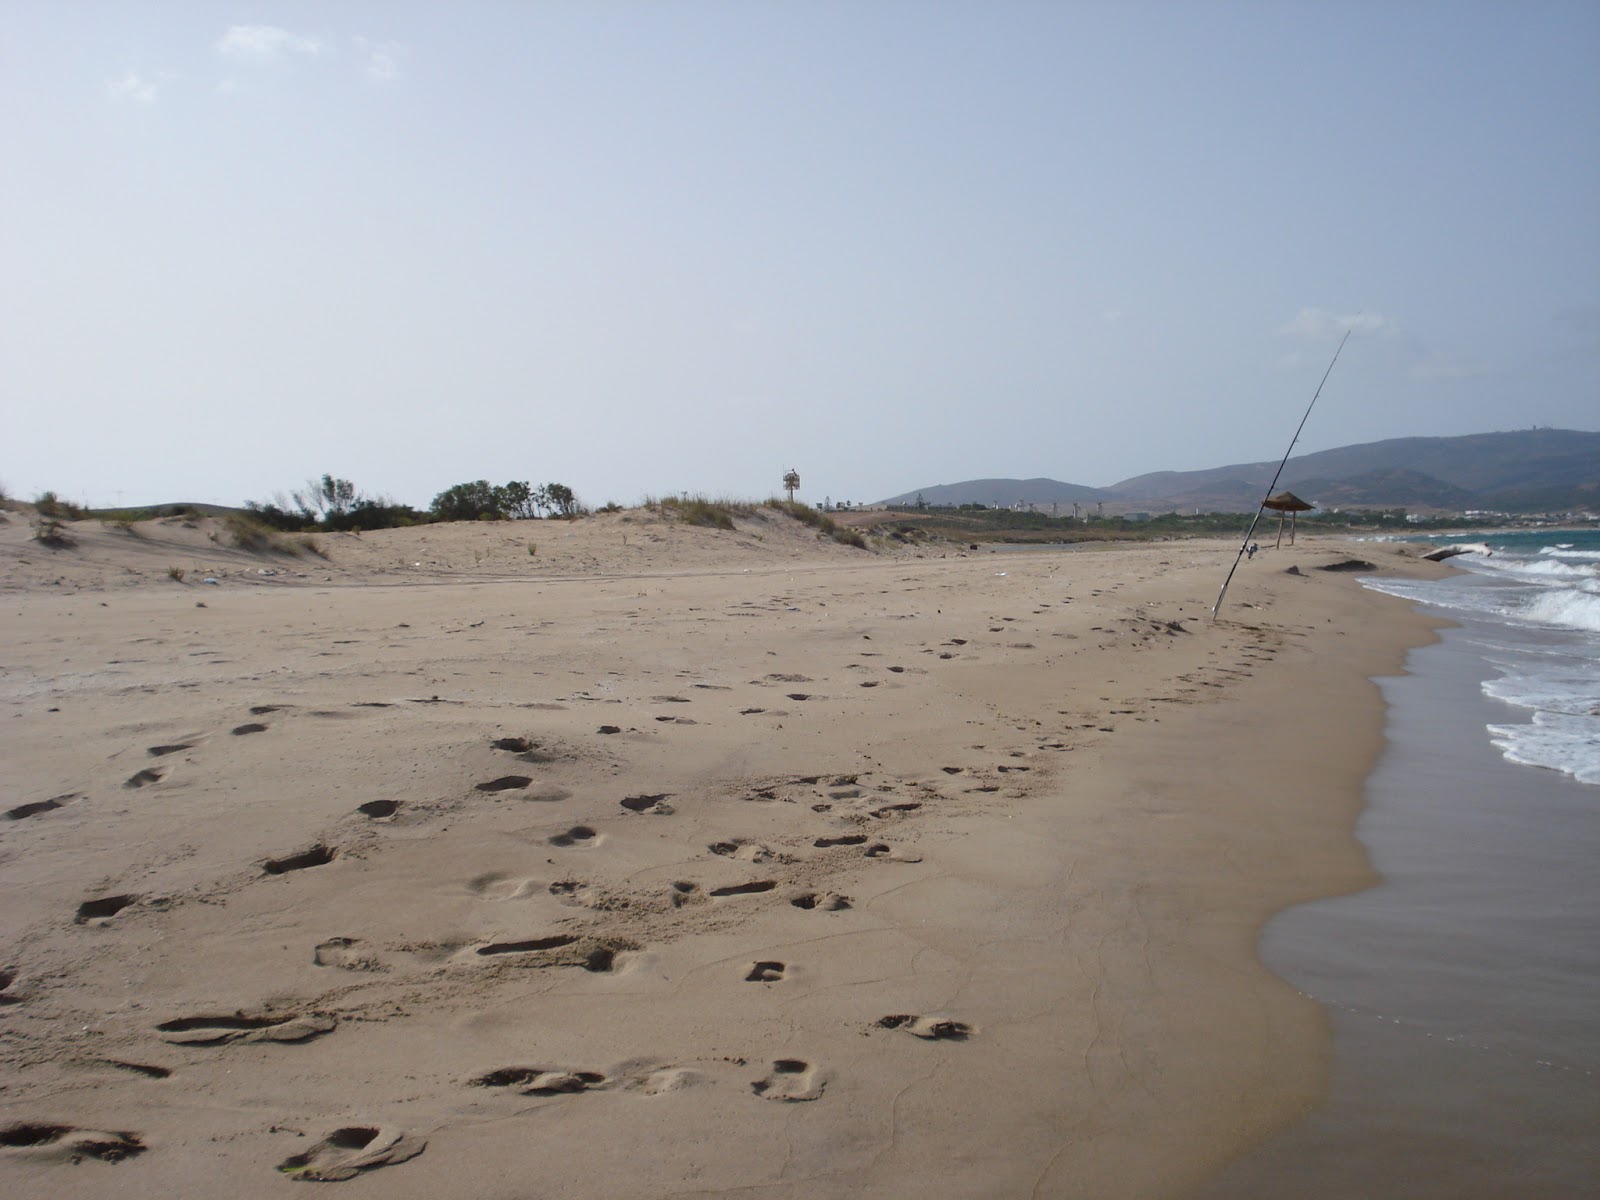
(518, 500)
(48, 504)
(49, 531)
(825, 525)
(700, 510)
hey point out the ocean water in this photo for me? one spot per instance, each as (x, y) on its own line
(1532, 600)
(1463, 991)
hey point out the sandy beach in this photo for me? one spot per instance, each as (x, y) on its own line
(620, 858)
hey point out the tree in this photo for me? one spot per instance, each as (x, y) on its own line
(329, 497)
(562, 499)
(473, 501)
(518, 501)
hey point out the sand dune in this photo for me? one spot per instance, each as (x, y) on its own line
(664, 861)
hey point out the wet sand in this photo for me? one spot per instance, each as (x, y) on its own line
(688, 863)
(1463, 988)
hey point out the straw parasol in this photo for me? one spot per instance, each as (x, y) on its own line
(1286, 502)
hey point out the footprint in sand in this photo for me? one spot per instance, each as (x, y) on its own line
(888, 810)
(144, 778)
(540, 1081)
(350, 1150)
(655, 805)
(753, 888)
(532, 945)
(825, 901)
(22, 811)
(341, 952)
(93, 912)
(526, 748)
(765, 972)
(888, 853)
(557, 950)
(578, 835)
(148, 1070)
(67, 1143)
(791, 1080)
(742, 850)
(849, 839)
(379, 810)
(315, 856)
(684, 892)
(173, 748)
(664, 1080)
(493, 885)
(249, 727)
(505, 783)
(933, 1029)
(574, 892)
(240, 1027)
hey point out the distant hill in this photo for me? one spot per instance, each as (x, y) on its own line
(1005, 493)
(1523, 470)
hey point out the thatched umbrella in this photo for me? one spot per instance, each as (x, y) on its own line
(1286, 502)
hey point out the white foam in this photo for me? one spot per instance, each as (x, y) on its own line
(1559, 741)
(1569, 550)
(1574, 691)
(1563, 606)
(1538, 570)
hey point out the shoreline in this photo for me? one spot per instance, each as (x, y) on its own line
(1090, 801)
(1462, 988)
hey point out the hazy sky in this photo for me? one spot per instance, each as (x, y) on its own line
(669, 246)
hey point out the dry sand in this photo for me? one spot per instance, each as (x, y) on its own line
(664, 861)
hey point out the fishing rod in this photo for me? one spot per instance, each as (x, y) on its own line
(1215, 608)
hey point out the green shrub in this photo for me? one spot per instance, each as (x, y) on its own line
(698, 510)
(48, 531)
(247, 533)
(848, 537)
(825, 525)
(48, 504)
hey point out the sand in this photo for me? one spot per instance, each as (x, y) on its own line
(666, 861)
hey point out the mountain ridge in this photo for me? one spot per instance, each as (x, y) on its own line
(1517, 470)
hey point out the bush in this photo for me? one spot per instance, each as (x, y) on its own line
(474, 501)
(825, 525)
(277, 517)
(367, 515)
(698, 510)
(48, 504)
(247, 533)
(48, 531)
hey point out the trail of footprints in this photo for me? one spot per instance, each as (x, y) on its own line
(352, 1150)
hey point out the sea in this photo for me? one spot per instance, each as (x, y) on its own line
(1463, 991)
